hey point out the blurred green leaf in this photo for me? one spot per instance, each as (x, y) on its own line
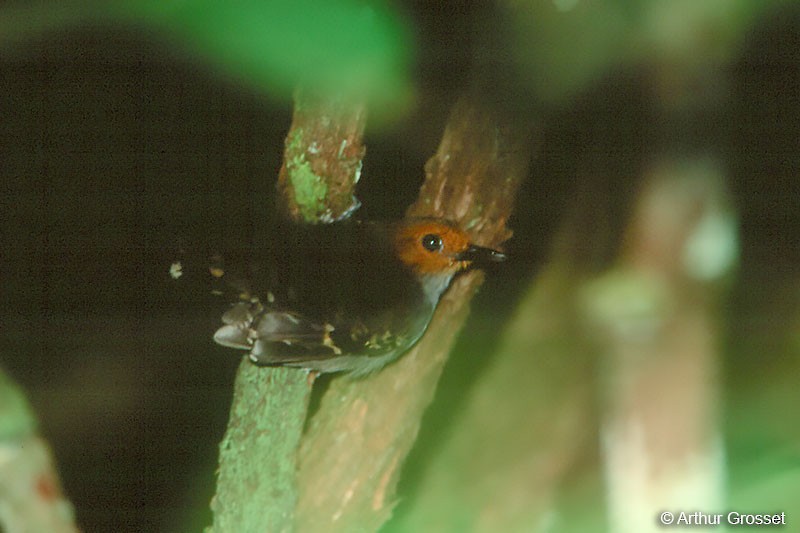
(355, 49)
(331, 45)
(561, 47)
(16, 419)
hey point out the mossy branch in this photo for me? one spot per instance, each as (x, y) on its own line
(256, 488)
(322, 160)
(356, 443)
(349, 460)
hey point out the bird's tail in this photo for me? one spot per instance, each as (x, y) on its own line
(209, 272)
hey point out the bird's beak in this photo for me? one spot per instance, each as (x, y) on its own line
(479, 254)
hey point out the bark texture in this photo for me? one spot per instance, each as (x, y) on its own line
(256, 483)
(352, 454)
(322, 160)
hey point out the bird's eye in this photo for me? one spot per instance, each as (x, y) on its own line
(432, 243)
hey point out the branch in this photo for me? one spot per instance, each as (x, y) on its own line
(355, 446)
(322, 161)
(30, 491)
(256, 482)
(655, 320)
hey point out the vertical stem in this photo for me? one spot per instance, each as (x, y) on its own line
(661, 438)
(322, 160)
(31, 498)
(256, 484)
(657, 317)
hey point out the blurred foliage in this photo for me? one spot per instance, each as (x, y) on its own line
(106, 174)
(560, 47)
(357, 49)
(16, 418)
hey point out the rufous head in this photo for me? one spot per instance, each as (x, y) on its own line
(432, 246)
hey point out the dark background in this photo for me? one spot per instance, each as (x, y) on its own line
(115, 148)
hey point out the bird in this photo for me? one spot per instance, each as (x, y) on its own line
(348, 296)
